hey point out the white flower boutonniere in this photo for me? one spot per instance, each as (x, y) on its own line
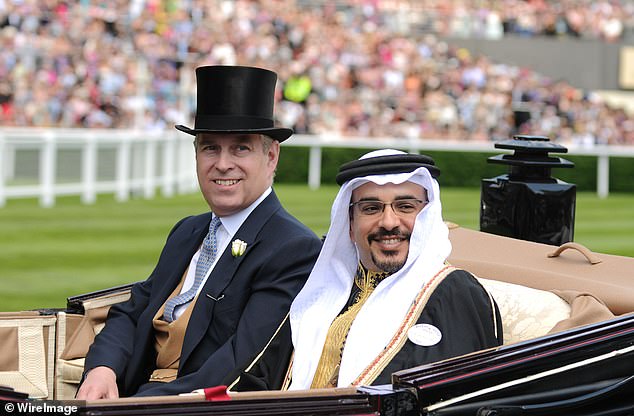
(238, 247)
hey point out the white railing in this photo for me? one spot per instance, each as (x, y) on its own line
(316, 143)
(139, 163)
(126, 162)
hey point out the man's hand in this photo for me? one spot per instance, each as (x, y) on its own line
(100, 383)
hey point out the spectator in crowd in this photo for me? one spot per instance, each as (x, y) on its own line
(225, 279)
(371, 67)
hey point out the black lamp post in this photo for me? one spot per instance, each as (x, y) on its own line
(527, 203)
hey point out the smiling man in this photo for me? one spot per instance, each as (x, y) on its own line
(225, 279)
(381, 297)
(383, 237)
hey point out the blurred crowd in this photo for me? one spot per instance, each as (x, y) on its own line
(356, 68)
(609, 20)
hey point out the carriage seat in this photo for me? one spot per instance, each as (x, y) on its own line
(526, 312)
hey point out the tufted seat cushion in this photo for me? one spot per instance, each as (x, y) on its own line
(526, 312)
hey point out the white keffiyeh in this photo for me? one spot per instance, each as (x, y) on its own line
(329, 284)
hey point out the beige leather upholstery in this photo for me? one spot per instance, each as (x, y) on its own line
(66, 380)
(545, 267)
(77, 332)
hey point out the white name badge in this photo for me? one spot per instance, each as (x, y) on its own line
(425, 335)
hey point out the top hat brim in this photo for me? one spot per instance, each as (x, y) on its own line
(278, 133)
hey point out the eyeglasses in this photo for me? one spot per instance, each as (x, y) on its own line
(400, 206)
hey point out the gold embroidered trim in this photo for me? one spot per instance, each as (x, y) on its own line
(372, 371)
(327, 372)
(288, 378)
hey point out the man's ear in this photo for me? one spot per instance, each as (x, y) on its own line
(274, 152)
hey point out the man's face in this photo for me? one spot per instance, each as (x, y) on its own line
(234, 169)
(382, 238)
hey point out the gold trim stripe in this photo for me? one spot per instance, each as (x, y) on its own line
(372, 371)
(257, 358)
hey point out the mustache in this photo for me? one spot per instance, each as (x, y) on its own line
(382, 232)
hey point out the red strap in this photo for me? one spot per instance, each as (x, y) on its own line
(216, 394)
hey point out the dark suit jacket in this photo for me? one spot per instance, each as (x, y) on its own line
(253, 294)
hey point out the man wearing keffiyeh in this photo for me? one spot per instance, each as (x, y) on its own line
(381, 296)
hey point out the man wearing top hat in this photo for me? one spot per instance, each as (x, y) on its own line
(381, 297)
(225, 279)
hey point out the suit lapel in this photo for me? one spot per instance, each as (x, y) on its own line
(187, 245)
(224, 272)
(183, 244)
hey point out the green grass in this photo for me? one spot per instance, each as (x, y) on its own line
(49, 254)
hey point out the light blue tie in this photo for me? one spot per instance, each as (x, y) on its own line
(205, 260)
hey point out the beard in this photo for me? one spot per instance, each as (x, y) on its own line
(390, 263)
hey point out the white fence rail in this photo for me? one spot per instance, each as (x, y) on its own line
(316, 143)
(47, 163)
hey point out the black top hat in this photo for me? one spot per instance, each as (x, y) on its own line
(236, 99)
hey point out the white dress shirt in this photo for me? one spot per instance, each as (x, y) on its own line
(229, 225)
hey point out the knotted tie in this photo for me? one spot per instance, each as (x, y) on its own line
(205, 260)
